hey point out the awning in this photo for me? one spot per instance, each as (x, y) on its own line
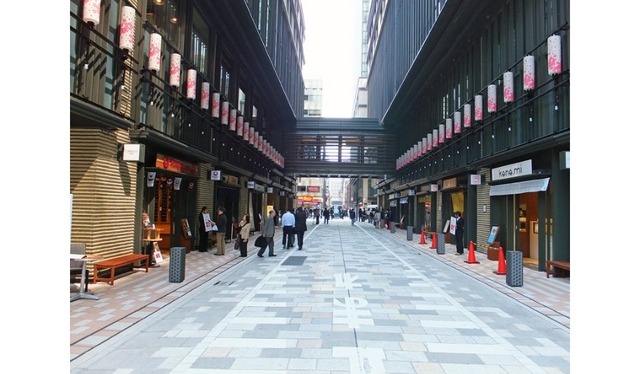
(534, 185)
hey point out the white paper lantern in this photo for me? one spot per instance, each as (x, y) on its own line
(232, 120)
(441, 134)
(424, 145)
(256, 138)
(554, 54)
(429, 142)
(245, 132)
(457, 122)
(191, 84)
(252, 133)
(174, 70)
(215, 105)
(467, 115)
(478, 108)
(91, 11)
(434, 138)
(224, 114)
(448, 128)
(507, 89)
(529, 74)
(492, 99)
(127, 28)
(155, 51)
(239, 125)
(204, 96)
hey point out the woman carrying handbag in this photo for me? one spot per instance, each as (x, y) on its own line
(243, 235)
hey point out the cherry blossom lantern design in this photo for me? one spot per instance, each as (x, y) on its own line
(529, 75)
(252, 133)
(174, 70)
(457, 122)
(467, 115)
(507, 89)
(424, 145)
(224, 114)
(492, 98)
(434, 138)
(232, 119)
(441, 134)
(256, 139)
(155, 51)
(191, 84)
(245, 132)
(429, 142)
(554, 54)
(215, 105)
(204, 96)
(477, 113)
(91, 11)
(448, 128)
(127, 28)
(239, 125)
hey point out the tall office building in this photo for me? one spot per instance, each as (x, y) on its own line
(313, 97)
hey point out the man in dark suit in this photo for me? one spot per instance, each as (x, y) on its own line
(300, 226)
(459, 233)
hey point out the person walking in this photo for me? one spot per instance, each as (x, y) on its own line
(376, 219)
(288, 223)
(245, 231)
(326, 214)
(221, 222)
(268, 230)
(459, 233)
(203, 246)
(352, 216)
(316, 214)
(300, 226)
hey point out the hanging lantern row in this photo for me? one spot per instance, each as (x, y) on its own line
(232, 118)
(462, 119)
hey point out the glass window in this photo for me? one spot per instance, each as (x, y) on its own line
(241, 100)
(199, 43)
(225, 80)
(166, 15)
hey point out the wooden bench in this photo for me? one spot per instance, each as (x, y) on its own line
(559, 264)
(117, 262)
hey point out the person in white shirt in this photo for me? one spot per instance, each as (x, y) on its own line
(288, 223)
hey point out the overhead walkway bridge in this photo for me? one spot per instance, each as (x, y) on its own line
(339, 148)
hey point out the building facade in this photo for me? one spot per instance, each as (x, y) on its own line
(478, 94)
(177, 105)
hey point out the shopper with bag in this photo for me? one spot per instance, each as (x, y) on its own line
(268, 230)
(243, 235)
(204, 229)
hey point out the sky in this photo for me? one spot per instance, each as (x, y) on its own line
(332, 48)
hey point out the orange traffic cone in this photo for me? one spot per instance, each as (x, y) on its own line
(472, 254)
(502, 265)
(422, 239)
(434, 241)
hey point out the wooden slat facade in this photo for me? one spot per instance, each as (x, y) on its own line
(104, 192)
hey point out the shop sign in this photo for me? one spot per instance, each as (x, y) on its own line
(475, 179)
(133, 152)
(449, 183)
(307, 199)
(282, 193)
(175, 165)
(313, 188)
(269, 189)
(434, 188)
(412, 192)
(230, 179)
(404, 200)
(512, 170)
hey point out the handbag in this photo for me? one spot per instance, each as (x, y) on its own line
(236, 245)
(260, 242)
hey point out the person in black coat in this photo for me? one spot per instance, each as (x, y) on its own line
(459, 233)
(301, 225)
